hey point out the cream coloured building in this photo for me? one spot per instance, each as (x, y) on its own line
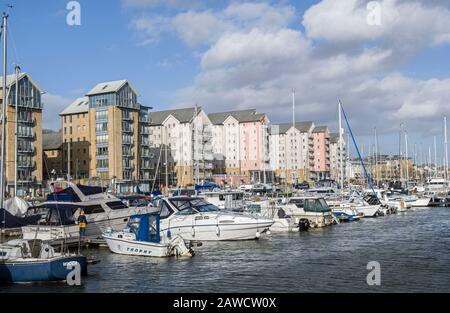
(183, 137)
(291, 152)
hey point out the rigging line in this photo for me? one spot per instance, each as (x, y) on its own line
(13, 44)
(369, 180)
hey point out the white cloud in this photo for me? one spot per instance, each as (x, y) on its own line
(408, 25)
(204, 27)
(253, 57)
(53, 105)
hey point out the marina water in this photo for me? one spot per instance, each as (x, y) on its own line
(412, 248)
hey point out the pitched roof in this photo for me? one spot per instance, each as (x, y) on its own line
(108, 87)
(334, 138)
(241, 116)
(80, 105)
(320, 129)
(182, 115)
(11, 80)
(51, 140)
(280, 129)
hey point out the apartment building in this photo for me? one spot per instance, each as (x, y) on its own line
(291, 152)
(321, 152)
(335, 157)
(76, 140)
(184, 139)
(240, 141)
(29, 134)
(106, 137)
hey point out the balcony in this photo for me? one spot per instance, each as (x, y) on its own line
(26, 165)
(25, 134)
(126, 117)
(146, 131)
(146, 120)
(146, 166)
(146, 143)
(127, 130)
(26, 150)
(26, 120)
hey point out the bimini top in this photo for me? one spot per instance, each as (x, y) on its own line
(69, 195)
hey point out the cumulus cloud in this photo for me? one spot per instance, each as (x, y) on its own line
(53, 105)
(254, 55)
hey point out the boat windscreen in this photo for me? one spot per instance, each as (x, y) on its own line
(199, 204)
(316, 205)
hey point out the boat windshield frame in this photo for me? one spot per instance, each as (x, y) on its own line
(199, 205)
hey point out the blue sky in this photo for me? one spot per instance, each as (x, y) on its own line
(395, 73)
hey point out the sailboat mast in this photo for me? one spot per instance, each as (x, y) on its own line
(340, 149)
(377, 178)
(446, 150)
(293, 108)
(435, 159)
(406, 157)
(17, 130)
(400, 152)
(3, 143)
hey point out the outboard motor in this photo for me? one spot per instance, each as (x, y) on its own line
(303, 224)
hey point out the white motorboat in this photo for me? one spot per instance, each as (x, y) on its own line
(368, 206)
(421, 201)
(315, 209)
(436, 184)
(59, 214)
(268, 209)
(229, 200)
(195, 219)
(142, 237)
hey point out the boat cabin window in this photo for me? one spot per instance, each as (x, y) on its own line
(234, 196)
(166, 210)
(116, 205)
(199, 205)
(298, 202)
(188, 211)
(316, 205)
(93, 209)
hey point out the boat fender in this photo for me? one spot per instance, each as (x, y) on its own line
(193, 231)
(169, 234)
(217, 231)
(258, 234)
(268, 232)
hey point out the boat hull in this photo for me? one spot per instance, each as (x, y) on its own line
(219, 232)
(53, 269)
(138, 248)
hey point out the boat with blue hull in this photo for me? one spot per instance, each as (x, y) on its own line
(35, 261)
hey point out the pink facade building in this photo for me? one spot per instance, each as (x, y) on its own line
(321, 148)
(241, 144)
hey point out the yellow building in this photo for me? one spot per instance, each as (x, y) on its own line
(76, 130)
(29, 135)
(106, 137)
(52, 156)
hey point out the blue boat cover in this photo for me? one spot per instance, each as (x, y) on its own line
(69, 195)
(145, 232)
(7, 220)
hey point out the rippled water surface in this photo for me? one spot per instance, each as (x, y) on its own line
(413, 249)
